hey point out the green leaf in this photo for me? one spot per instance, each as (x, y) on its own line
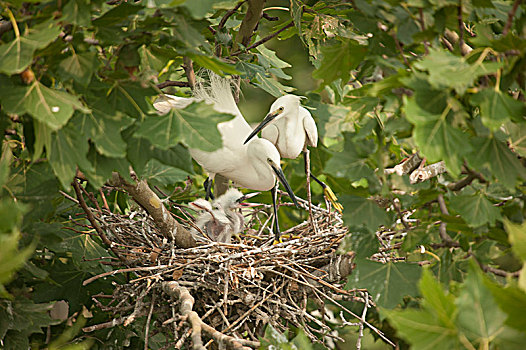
(77, 12)
(195, 126)
(68, 150)
(199, 9)
(497, 108)
(479, 316)
(360, 211)
(502, 162)
(517, 238)
(512, 300)
(432, 327)
(351, 161)
(215, 65)
(475, 209)
(103, 167)
(103, 126)
(52, 107)
(268, 58)
(157, 173)
(79, 67)
(387, 283)
(17, 55)
(517, 137)
(436, 138)
(338, 61)
(447, 70)
(117, 14)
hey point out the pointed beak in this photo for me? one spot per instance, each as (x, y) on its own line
(281, 178)
(270, 117)
(241, 201)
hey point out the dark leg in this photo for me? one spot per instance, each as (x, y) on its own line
(274, 192)
(208, 188)
(306, 158)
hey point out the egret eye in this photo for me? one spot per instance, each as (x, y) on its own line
(281, 109)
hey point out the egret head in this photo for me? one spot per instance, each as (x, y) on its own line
(283, 107)
(233, 199)
(269, 156)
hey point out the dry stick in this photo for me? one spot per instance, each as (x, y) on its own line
(453, 38)
(173, 288)
(511, 14)
(104, 201)
(309, 195)
(93, 222)
(399, 47)
(423, 28)
(428, 172)
(131, 269)
(364, 313)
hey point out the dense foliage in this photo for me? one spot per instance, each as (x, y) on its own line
(440, 77)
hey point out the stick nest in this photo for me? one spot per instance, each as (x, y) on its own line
(228, 293)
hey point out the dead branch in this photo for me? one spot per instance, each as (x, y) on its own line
(186, 302)
(173, 83)
(406, 166)
(511, 14)
(146, 198)
(454, 38)
(428, 172)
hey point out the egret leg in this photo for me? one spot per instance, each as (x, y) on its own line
(306, 157)
(329, 194)
(274, 192)
(208, 188)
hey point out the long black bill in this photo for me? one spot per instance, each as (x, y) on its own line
(281, 178)
(270, 117)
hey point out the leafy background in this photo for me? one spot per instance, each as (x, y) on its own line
(384, 79)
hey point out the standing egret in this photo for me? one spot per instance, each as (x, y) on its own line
(254, 165)
(221, 219)
(291, 128)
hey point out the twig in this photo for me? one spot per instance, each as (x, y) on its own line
(399, 47)
(228, 14)
(423, 28)
(93, 222)
(173, 83)
(511, 14)
(460, 27)
(131, 269)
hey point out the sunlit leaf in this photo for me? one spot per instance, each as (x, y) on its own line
(16, 55)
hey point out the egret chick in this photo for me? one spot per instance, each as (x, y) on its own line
(291, 128)
(211, 222)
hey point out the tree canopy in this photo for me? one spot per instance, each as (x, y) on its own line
(420, 108)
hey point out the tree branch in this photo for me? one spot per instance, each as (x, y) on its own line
(228, 14)
(453, 38)
(168, 226)
(511, 14)
(460, 27)
(443, 226)
(186, 304)
(173, 83)
(249, 23)
(188, 66)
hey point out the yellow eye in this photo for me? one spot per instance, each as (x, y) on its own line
(281, 109)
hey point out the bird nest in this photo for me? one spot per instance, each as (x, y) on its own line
(227, 294)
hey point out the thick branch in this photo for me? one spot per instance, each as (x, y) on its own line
(189, 70)
(186, 302)
(406, 166)
(168, 226)
(249, 23)
(453, 38)
(430, 171)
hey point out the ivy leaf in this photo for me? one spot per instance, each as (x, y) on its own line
(360, 211)
(157, 173)
(449, 71)
(68, 150)
(496, 108)
(103, 167)
(475, 209)
(436, 138)
(339, 60)
(17, 55)
(512, 300)
(351, 161)
(502, 162)
(77, 12)
(387, 283)
(432, 327)
(52, 107)
(79, 67)
(195, 126)
(481, 319)
(103, 126)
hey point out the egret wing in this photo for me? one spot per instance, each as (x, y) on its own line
(310, 127)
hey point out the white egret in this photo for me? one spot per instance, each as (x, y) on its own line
(254, 165)
(221, 219)
(291, 128)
